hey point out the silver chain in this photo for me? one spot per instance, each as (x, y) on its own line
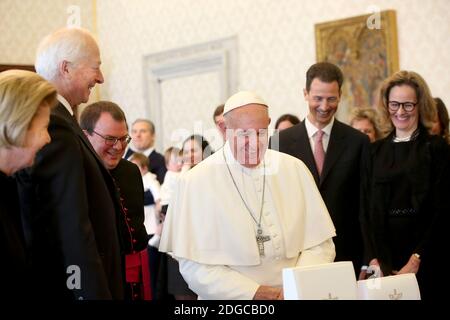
(258, 223)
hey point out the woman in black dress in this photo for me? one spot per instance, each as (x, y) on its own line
(406, 187)
(25, 102)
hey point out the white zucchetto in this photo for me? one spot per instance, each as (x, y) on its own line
(242, 98)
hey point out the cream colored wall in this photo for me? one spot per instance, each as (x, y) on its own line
(24, 23)
(276, 40)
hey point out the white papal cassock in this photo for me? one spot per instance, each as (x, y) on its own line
(211, 233)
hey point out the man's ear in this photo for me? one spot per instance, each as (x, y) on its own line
(305, 94)
(64, 68)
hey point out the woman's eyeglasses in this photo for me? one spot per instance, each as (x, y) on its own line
(407, 106)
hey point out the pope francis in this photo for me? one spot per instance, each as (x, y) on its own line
(245, 213)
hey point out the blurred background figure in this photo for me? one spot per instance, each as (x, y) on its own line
(25, 103)
(152, 185)
(195, 149)
(366, 121)
(143, 136)
(152, 221)
(219, 121)
(441, 124)
(174, 161)
(286, 121)
(405, 188)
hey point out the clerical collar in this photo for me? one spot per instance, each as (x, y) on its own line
(311, 129)
(65, 103)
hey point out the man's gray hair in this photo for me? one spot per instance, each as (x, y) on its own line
(70, 44)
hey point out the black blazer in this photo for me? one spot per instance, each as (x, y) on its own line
(340, 182)
(14, 268)
(129, 180)
(70, 209)
(428, 174)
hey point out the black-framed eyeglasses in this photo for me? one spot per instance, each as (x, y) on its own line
(407, 106)
(111, 141)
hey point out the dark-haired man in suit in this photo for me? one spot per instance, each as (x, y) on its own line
(333, 152)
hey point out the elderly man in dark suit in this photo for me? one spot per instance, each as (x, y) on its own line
(71, 205)
(333, 152)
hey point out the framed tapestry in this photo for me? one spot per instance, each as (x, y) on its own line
(365, 48)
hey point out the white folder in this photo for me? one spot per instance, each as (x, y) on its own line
(398, 287)
(329, 281)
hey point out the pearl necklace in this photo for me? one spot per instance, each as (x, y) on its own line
(405, 139)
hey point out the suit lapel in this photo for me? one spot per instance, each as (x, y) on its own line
(336, 146)
(128, 153)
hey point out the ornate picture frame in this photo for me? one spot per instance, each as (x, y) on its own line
(365, 48)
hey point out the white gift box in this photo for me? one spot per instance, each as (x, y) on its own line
(398, 287)
(329, 281)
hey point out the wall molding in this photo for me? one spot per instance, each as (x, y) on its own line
(219, 56)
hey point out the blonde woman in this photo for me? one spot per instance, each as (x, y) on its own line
(406, 187)
(366, 121)
(25, 103)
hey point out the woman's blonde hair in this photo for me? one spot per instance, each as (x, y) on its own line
(21, 95)
(425, 103)
(368, 113)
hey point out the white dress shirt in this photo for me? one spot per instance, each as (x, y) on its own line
(312, 130)
(65, 103)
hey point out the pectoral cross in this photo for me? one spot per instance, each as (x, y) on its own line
(260, 239)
